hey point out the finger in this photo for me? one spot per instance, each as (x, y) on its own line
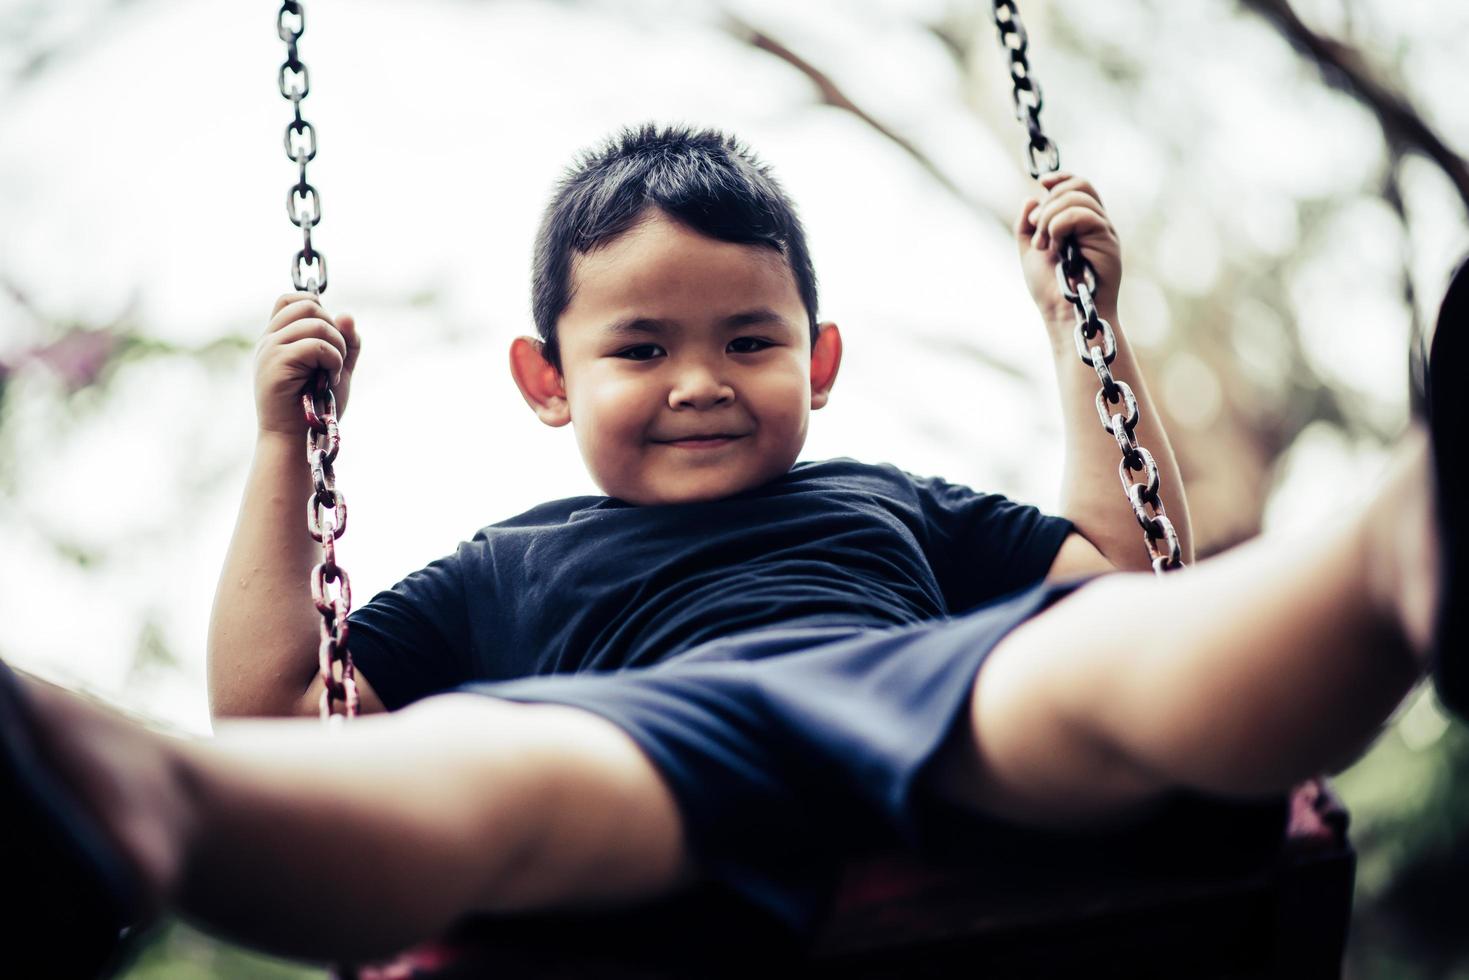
(1059, 202)
(303, 308)
(315, 354)
(347, 325)
(1080, 222)
(1049, 209)
(1024, 223)
(308, 330)
(1070, 182)
(1061, 191)
(1052, 179)
(287, 299)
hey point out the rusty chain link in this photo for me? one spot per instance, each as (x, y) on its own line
(1096, 343)
(331, 589)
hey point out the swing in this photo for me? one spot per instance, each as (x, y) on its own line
(1200, 889)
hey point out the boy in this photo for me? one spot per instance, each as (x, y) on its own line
(732, 667)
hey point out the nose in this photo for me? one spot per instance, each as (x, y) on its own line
(697, 386)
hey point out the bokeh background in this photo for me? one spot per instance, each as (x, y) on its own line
(1287, 178)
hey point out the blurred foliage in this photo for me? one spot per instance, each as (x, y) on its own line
(175, 951)
(1409, 799)
(75, 368)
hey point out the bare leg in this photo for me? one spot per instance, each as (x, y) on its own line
(354, 843)
(1240, 677)
(1270, 664)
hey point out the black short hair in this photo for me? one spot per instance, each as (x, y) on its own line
(704, 179)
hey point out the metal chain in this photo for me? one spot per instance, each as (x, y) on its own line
(331, 589)
(1096, 343)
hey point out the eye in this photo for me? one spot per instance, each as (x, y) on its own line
(642, 352)
(748, 345)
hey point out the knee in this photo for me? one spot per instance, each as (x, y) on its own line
(492, 763)
(530, 764)
(550, 740)
(584, 814)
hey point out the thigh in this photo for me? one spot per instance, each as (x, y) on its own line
(592, 820)
(762, 816)
(786, 760)
(1024, 750)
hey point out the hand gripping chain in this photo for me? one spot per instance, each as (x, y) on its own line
(1096, 343)
(308, 274)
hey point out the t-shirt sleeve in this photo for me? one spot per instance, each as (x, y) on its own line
(412, 640)
(982, 546)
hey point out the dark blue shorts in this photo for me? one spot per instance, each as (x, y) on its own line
(789, 750)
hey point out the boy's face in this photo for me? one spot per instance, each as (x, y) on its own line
(687, 365)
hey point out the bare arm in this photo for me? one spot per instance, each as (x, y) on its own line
(1091, 494)
(263, 629)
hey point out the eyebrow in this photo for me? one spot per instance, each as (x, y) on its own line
(639, 326)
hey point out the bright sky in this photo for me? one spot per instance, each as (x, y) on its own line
(145, 171)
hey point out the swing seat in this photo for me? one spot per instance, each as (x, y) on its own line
(1209, 890)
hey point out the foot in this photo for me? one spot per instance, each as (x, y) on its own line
(1448, 421)
(93, 826)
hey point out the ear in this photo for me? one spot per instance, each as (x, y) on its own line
(540, 384)
(826, 357)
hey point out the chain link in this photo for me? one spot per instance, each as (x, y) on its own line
(326, 508)
(308, 271)
(1096, 342)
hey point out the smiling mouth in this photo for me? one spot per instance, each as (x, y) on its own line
(700, 441)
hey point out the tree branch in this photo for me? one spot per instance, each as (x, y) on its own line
(832, 95)
(1344, 67)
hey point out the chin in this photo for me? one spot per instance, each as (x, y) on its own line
(692, 489)
(669, 482)
(693, 492)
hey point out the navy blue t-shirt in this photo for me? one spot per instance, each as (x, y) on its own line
(595, 583)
